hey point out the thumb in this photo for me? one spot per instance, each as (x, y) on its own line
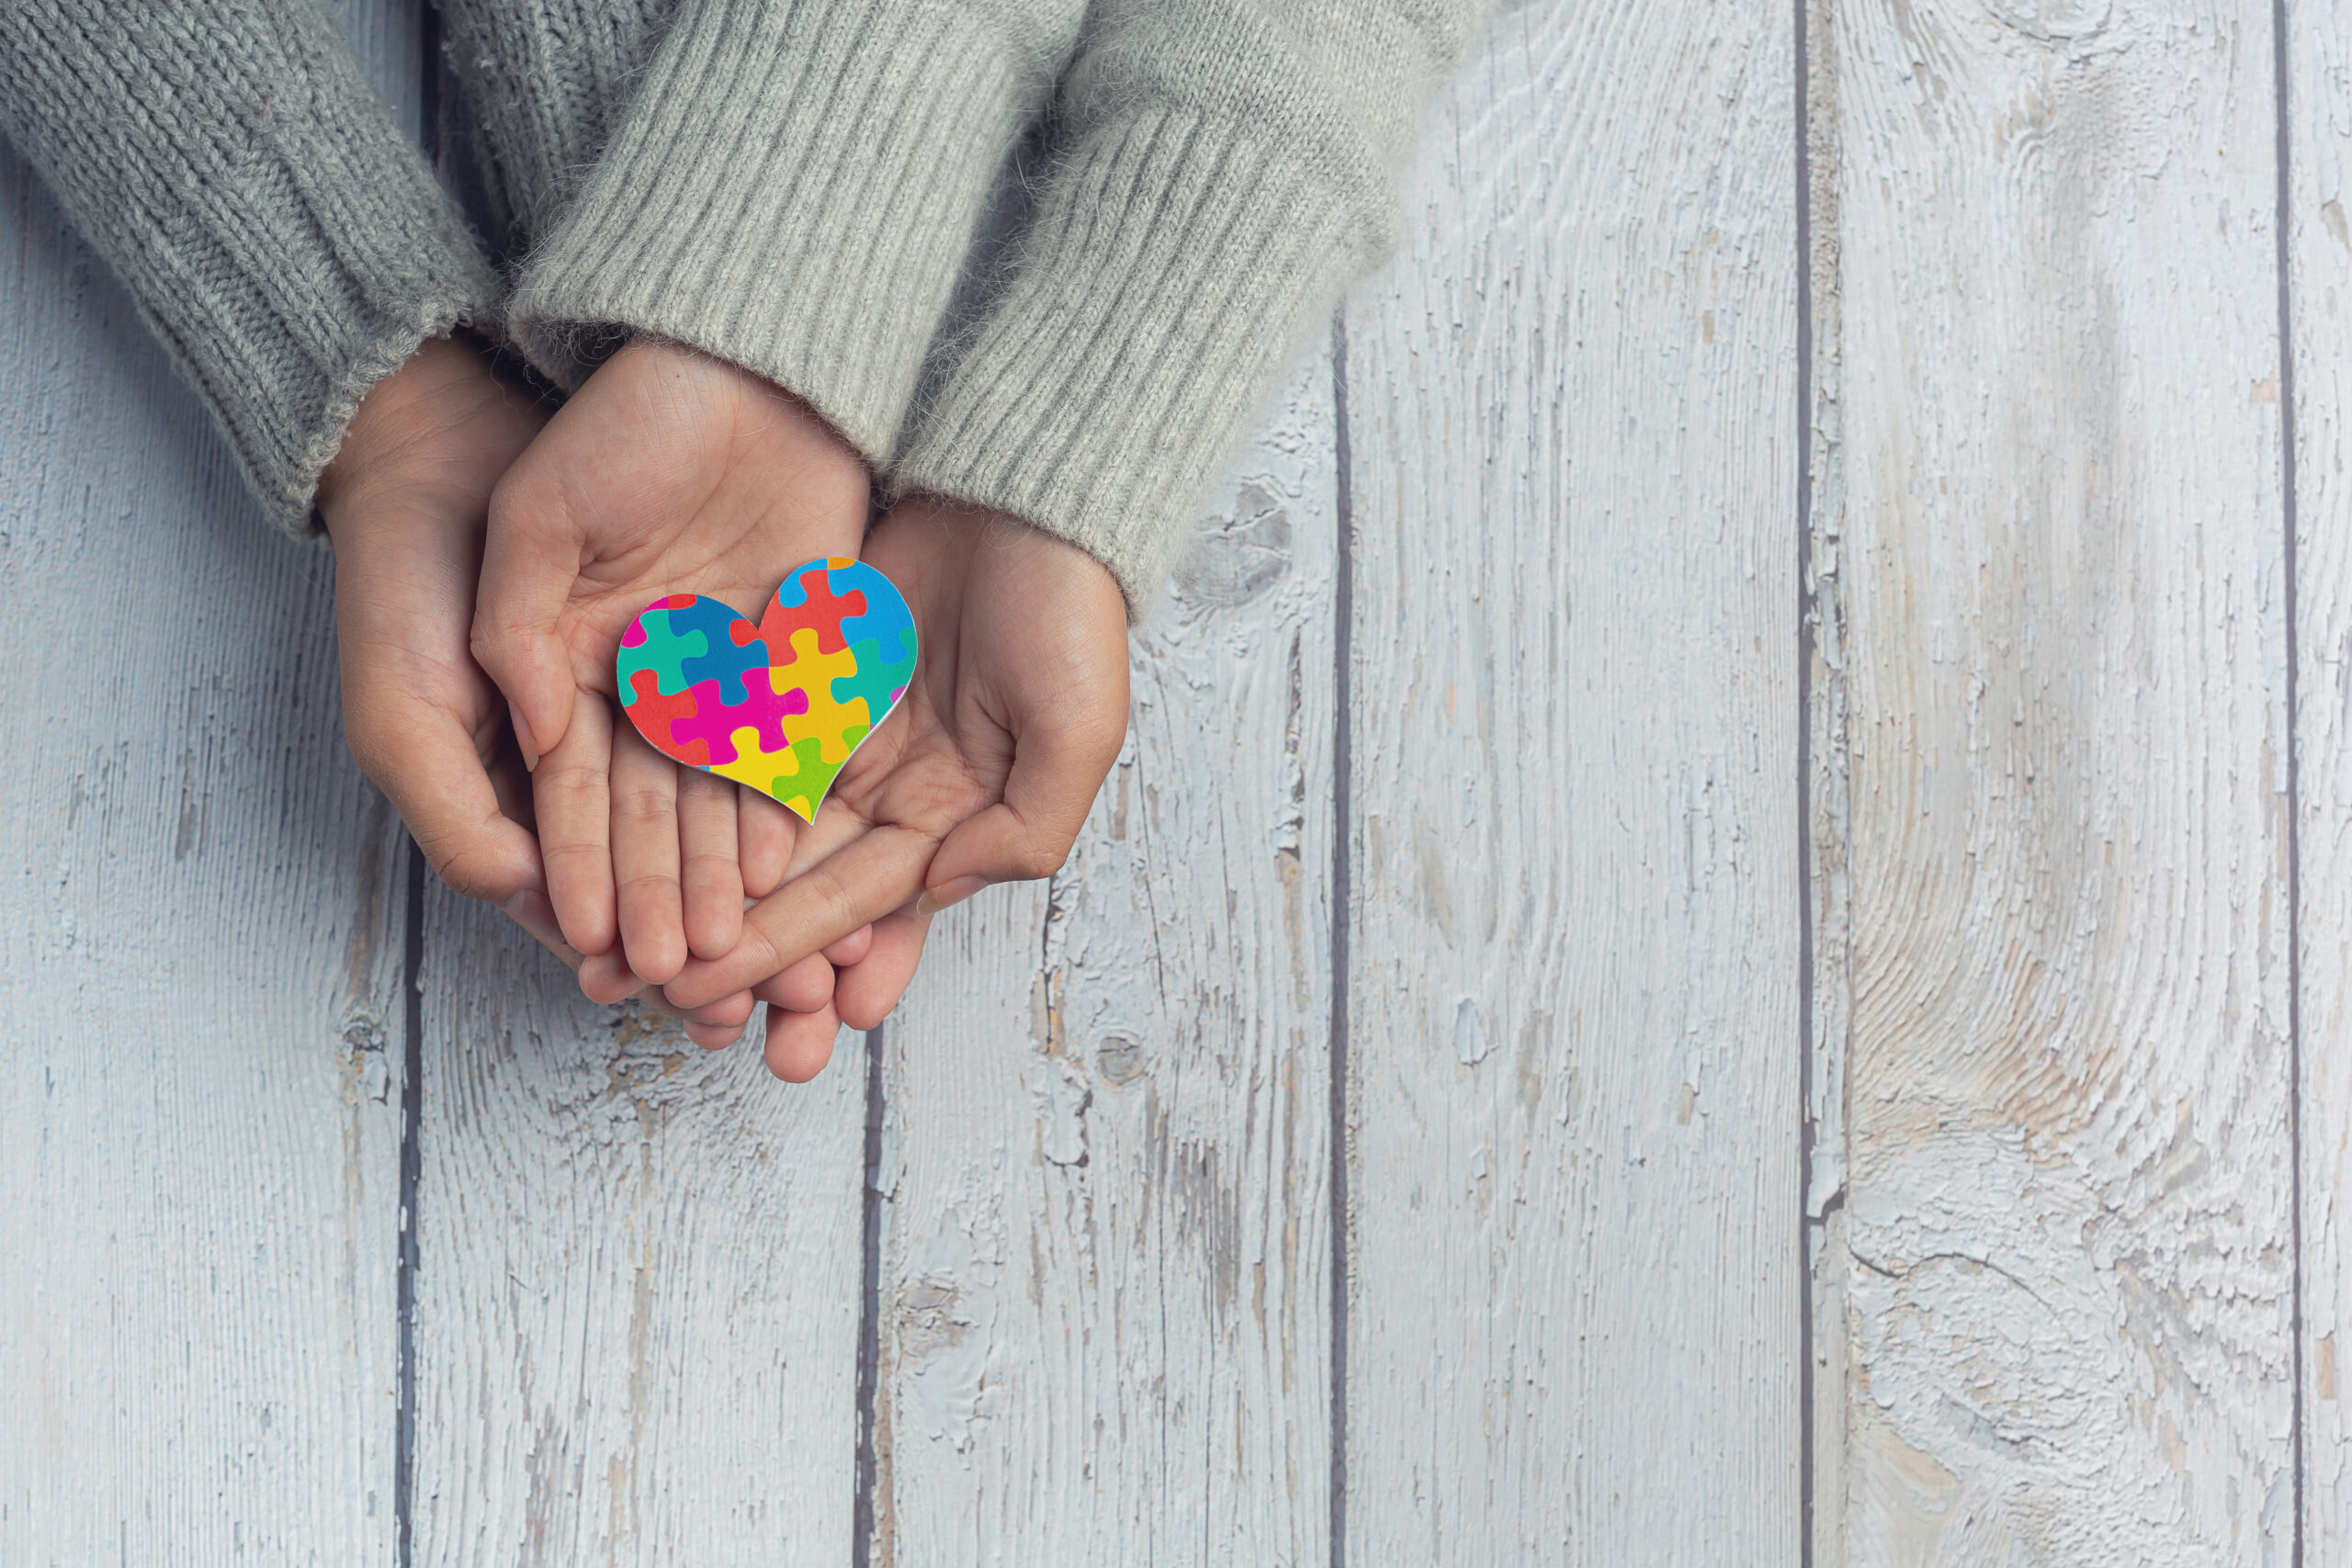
(1028, 833)
(422, 759)
(528, 568)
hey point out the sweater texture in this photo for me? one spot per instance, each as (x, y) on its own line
(275, 228)
(794, 185)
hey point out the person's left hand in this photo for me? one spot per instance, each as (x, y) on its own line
(404, 503)
(668, 472)
(985, 773)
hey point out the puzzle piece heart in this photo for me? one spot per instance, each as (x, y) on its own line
(780, 705)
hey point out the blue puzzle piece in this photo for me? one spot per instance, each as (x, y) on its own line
(886, 623)
(878, 680)
(722, 658)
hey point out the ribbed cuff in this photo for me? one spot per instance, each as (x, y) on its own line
(1170, 273)
(794, 191)
(277, 230)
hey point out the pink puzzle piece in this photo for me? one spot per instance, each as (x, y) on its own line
(765, 711)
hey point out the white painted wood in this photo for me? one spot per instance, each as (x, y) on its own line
(2069, 1255)
(199, 957)
(638, 1288)
(1105, 1288)
(1575, 1185)
(1829, 886)
(2319, 99)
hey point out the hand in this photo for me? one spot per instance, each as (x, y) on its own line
(985, 773)
(404, 502)
(670, 472)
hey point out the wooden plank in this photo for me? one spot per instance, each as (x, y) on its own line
(200, 955)
(638, 1286)
(2069, 1246)
(1105, 1285)
(1574, 1328)
(2319, 101)
(1829, 882)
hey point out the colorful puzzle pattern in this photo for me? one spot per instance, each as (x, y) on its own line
(780, 705)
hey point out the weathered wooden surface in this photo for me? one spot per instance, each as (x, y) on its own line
(1573, 1328)
(1105, 1285)
(2319, 99)
(2069, 1248)
(636, 1304)
(1508, 818)
(200, 955)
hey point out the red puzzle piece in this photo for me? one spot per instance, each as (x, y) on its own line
(654, 713)
(822, 609)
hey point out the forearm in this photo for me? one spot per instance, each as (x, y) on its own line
(1221, 174)
(543, 83)
(794, 188)
(272, 223)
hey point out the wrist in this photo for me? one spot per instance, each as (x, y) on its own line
(432, 436)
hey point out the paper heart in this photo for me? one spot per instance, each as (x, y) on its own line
(780, 705)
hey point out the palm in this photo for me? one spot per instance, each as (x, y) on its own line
(668, 473)
(984, 771)
(949, 749)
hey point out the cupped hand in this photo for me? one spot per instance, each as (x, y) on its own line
(669, 472)
(985, 773)
(404, 502)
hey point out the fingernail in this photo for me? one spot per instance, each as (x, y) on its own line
(935, 900)
(523, 739)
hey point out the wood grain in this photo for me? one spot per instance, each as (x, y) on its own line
(1105, 1285)
(2319, 100)
(637, 1291)
(1574, 1112)
(199, 957)
(2069, 1252)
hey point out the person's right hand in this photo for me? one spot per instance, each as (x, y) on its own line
(669, 472)
(1016, 711)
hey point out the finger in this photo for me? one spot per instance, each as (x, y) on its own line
(530, 559)
(715, 1036)
(607, 979)
(708, 865)
(800, 1043)
(765, 833)
(572, 791)
(425, 764)
(852, 948)
(864, 992)
(531, 910)
(716, 1027)
(1055, 774)
(802, 988)
(858, 883)
(645, 858)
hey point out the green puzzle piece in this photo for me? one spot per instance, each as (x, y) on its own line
(663, 651)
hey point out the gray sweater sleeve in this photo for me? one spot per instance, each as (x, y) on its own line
(1221, 171)
(542, 84)
(276, 229)
(794, 184)
(793, 187)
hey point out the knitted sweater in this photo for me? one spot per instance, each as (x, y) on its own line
(791, 185)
